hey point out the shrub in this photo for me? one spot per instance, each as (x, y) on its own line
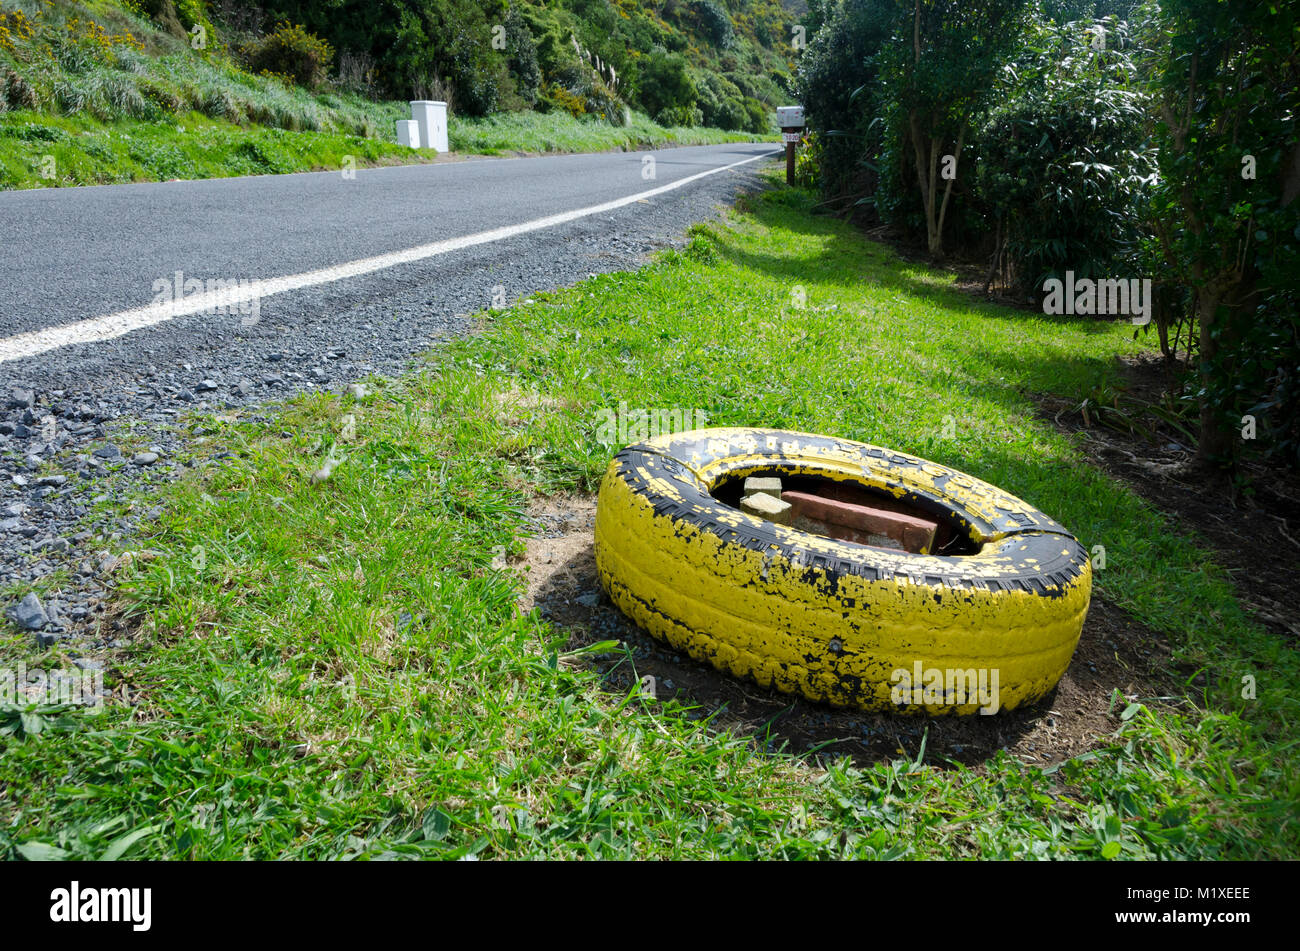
(680, 116)
(162, 95)
(714, 23)
(834, 80)
(807, 161)
(162, 12)
(15, 28)
(122, 97)
(1225, 79)
(760, 118)
(1059, 166)
(604, 103)
(71, 96)
(599, 84)
(555, 96)
(478, 74)
(17, 91)
(933, 94)
(356, 72)
(178, 17)
(219, 103)
(666, 86)
(521, 56)
(292, 51)
(721, 102)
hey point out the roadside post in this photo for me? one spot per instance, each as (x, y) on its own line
(790, 119)
(408, 133)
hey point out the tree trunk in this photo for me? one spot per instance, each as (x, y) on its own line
(947, 193)
(922, 177)
(925, 150)
(997, 254)
(1216, 435)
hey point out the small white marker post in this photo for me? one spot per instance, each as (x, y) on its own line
(408, 133)
(432, 117)
(790, 119)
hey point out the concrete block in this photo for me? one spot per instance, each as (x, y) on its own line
(763, 485)
(765, 507)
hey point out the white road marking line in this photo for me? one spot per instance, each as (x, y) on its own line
(124, 322)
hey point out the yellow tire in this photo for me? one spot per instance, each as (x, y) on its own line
(831, 620)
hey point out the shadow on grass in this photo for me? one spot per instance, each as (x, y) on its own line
(848, 259)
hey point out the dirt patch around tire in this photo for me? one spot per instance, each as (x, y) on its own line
(1118, 660)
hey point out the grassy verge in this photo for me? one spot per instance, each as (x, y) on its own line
(560, 132)
(338, 670)
(38, 151)
(41, 151)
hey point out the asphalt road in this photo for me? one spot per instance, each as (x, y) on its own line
(75, 254)
(73, 262)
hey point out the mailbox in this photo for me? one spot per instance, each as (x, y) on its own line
(789, 117)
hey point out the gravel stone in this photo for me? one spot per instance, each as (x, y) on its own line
(21, 399)
(29, 614)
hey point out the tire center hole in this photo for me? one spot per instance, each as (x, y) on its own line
(846, 511)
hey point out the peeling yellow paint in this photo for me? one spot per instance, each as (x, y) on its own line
(766, 601)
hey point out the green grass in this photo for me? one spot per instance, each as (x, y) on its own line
(336, 670)
(42, 151)
(560, 132)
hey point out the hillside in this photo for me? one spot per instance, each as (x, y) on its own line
(720, 63)
(103, 91)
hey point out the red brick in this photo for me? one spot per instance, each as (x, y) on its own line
(864, 524)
